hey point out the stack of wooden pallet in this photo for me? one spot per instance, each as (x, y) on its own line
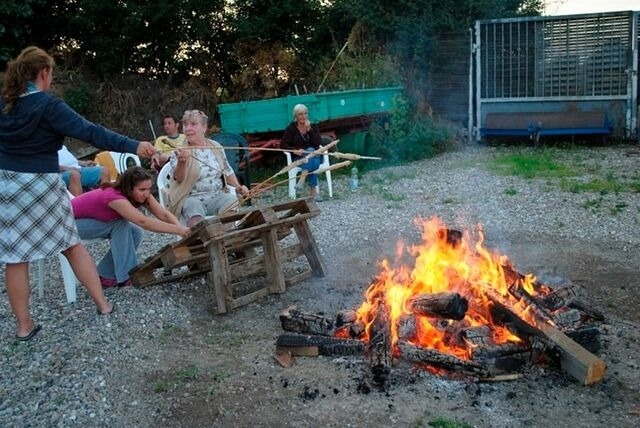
(232, 248)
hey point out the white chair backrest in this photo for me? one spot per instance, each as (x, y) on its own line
(162, 182)
(123, 161)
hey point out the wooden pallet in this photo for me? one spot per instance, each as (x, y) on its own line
(231, 248)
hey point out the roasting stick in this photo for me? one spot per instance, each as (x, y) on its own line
(338, 155)
(256, 191)
(297, 163)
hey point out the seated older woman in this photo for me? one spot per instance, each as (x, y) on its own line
(200, 174)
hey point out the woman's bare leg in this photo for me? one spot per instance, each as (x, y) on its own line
(17, 284)
(85, 269)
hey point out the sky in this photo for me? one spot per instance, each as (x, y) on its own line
(571, 7)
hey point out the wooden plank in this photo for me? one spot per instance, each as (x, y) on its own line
(292, 251)
(273, 262)
(247, 298)
(294, 279)
(247, 267)
(310, 248)
(178, 255)
(575, 360)
(219, 275)
(302, 351)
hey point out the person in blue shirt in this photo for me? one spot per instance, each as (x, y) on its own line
(36, 220)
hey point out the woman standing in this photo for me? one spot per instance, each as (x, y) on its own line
(35, 211)
(112, 212)
(200, 174)
(302, 138)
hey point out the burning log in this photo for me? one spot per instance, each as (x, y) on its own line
(440, 305)
(297, 321)
(347, 323)
(322, 345)
(438, 359)
(379, 346)
(346, 317)
(478, 337)
(519, 292)
(407, 328)
(502, 350)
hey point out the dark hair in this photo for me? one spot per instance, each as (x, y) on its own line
(172, 116)
(128, 180)
(20, 71)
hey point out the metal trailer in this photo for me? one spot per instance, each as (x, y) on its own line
(558, 75)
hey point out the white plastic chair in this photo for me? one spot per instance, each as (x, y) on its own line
(123, 161)
(68, 277)
(293, 173)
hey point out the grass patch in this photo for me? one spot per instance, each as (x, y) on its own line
(597, 185)
(391, 197)
(532, 165)
(593, 205)
(511, 191)
(160, 386)
(187, 374)
(447, 423)
(618, 208)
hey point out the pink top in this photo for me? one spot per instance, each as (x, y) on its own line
(95, 204)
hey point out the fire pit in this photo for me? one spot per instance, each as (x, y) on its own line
(456, 307)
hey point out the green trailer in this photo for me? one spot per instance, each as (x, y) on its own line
(337, 113)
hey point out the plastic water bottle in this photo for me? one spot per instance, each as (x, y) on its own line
(353, 181)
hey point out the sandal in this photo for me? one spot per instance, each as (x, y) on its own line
(29, 336)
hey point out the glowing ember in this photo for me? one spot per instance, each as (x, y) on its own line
(447, 261)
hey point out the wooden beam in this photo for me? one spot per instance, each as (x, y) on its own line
(581, 364)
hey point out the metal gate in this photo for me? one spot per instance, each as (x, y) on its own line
(557, 64)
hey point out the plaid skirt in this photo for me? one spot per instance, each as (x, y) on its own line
(36, 220)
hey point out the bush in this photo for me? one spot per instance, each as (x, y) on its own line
(411, 135)
(77, 98)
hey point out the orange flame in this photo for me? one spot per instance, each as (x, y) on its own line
(446, 262)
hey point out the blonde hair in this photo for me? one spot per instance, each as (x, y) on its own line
(20, 71)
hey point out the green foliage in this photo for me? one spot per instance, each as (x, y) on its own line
(412, 135)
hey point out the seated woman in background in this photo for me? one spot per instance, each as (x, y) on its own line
(112, 212)
(302, 138)
(200, 174)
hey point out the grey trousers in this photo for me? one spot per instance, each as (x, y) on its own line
(124, 238)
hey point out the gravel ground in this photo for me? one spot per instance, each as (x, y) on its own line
(164, 357)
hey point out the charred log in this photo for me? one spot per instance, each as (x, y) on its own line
(441, 360)
(567, 319)
(479, 337)
(588, 338)
(329, 346)
(297, 321)
(346, 317)
(379, 347)
(561, 297)
(439, 305)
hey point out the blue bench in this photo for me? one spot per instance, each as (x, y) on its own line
(538, 124)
